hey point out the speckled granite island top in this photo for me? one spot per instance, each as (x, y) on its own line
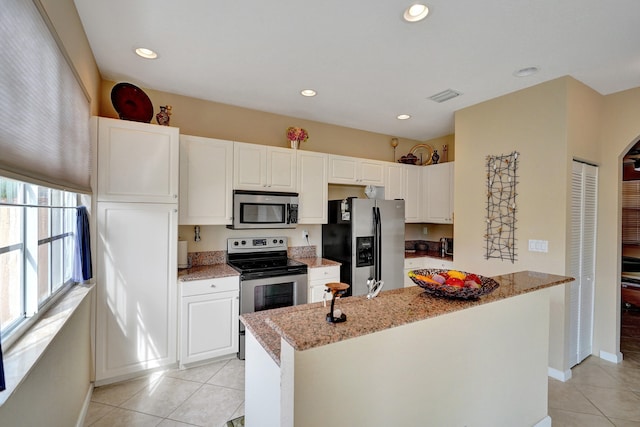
(305, 327)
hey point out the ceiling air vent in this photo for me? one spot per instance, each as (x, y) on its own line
(445, 95)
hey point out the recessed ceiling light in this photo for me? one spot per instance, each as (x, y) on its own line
(146, 53)
(416, 12)
(403, 117)
(308, 92)
(524, 72)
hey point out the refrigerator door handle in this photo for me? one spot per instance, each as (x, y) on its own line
(378, 243)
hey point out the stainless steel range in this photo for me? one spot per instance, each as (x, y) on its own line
(268, 278)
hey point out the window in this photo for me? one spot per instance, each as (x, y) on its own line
(37, 226)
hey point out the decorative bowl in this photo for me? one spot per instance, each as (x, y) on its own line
(487, 286)
(408, 159)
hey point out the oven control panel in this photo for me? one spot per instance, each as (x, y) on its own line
(256, 244)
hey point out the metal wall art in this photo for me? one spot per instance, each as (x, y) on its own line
(501, 206)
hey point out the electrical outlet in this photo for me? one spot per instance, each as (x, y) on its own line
(425, 230)
(305, 234)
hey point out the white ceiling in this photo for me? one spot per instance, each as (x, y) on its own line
(365, 62)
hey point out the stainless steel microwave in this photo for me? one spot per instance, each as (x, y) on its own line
(264, 209)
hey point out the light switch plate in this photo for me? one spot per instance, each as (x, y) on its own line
(538, 246)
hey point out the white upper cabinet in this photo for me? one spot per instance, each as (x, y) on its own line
(137, 162)
(413, 198)
(206, 180)
(438, 191)
(312, 187)
(394, 185)
(355, 171)
(263, 168)
(403, 182)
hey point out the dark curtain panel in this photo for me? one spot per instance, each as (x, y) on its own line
(82, 261)
(2, 385)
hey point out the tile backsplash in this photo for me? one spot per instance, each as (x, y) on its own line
(220, 257)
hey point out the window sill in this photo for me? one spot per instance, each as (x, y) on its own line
(23, 356)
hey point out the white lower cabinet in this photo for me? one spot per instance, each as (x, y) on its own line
(421, 263)
(318, 278)
(136, 292)
(208, 319)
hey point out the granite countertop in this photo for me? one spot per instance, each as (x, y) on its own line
(214, 271)
(203, 272)
(305, 327)
(317, 262)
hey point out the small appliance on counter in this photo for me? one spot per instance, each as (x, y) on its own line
(446, 246)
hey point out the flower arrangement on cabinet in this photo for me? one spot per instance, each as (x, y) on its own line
(296, 135)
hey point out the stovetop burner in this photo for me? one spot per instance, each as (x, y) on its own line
(263, 256)
(251, 265)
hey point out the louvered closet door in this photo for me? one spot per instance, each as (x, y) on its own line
(584, 185)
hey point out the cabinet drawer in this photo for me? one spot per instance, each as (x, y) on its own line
(414, 263)
(323, 273)
(210, 286)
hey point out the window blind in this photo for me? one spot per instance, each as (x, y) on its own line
(44, 113)
(631, 212)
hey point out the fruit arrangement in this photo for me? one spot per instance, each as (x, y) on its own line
(453, 283)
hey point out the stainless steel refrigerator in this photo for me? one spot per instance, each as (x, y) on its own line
(367, 237)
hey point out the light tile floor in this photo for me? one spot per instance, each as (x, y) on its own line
(207, 395)
(599, 393)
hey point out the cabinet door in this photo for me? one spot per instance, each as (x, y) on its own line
(318, 277)
(206, 180)
(137, 162)
(281, 169)
(371, 172)
(136, 289)
(209, 326)
(249, 166)
(312, 187)
(343, 170)
(394, 185)
(413, 199)
(438, 185)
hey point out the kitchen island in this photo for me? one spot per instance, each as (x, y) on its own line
(404, 358)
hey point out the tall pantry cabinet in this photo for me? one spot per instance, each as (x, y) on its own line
(137, 229)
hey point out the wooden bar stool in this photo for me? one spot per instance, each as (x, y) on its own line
(337, 289)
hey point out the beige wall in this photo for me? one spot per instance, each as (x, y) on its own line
(214, 120)
(549, 124)
(620, 130)
(532, 122)
(54, 392)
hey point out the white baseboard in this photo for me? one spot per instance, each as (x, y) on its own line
(85, 406)
(559, 375)
(610, 357)
(545, 422)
